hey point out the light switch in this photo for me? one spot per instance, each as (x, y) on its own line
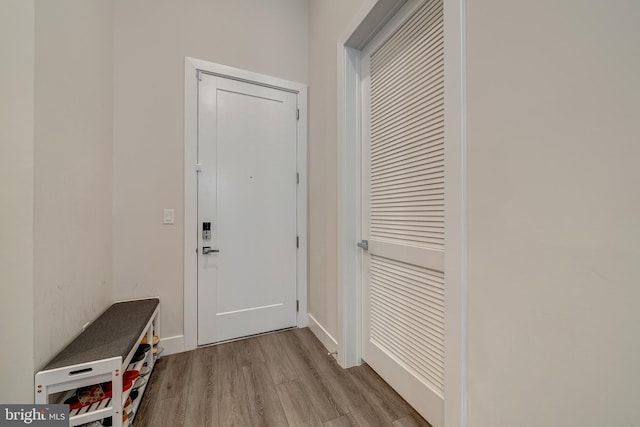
(168, 216)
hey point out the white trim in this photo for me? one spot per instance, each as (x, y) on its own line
(367, 23)
(172, 345)
(349, 260)
(191, 67)
(302, 267)
(323, 335)
(190, 206)
(455, 267)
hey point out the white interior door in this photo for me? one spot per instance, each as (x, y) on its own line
(247, 194)
(403, 206)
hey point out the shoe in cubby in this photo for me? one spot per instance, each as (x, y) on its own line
(156, 340)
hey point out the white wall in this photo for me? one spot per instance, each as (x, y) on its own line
(151, 41)
(16, 196)
(553, 213)
(328, 19)
(72, 184)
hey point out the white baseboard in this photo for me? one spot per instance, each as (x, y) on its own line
(175, 344)
(321, 333)
(172, 345)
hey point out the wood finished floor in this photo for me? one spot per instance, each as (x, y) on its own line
(280, 379)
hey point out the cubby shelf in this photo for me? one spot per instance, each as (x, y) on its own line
(101, 354)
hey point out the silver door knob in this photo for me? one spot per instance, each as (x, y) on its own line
(364, 244)
(206, 250)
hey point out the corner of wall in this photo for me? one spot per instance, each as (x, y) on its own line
(16, 193)
(330, 343)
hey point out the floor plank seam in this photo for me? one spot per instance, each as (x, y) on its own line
(278, 379)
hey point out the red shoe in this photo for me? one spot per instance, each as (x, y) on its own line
(128, 379)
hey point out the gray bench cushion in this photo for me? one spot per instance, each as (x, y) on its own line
(113, 334)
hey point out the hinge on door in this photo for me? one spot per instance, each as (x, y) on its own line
(297, 114)
(297, 305)
(297, 178)
(297, 242)
(199, 75)
(198, 167)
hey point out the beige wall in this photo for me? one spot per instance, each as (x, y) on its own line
(16, 200)
(151, 41)
(328, 19)
(72, 184)
(553, 213)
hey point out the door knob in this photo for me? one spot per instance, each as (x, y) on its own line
(206, 250)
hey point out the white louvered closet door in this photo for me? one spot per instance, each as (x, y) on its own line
(403, 206)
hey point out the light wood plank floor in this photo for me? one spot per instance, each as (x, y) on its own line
(281, 379)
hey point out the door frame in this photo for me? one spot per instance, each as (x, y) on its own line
(365, 26)
(192, 67)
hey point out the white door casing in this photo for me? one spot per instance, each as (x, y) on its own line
(247, 183)
(236, 82)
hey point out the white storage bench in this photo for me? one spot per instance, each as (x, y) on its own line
(101, 354)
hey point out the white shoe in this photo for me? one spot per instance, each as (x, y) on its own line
(157, 351)
(139, 383)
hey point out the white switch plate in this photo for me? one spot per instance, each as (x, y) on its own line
(168, 216)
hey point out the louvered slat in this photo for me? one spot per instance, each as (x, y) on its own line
(407, 131)
(422, 162)
(408, 138)
(439, 185)
(408, 317)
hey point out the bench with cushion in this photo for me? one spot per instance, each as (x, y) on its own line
(101, 354)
